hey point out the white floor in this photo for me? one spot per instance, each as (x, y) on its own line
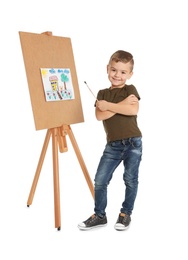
(157, 231)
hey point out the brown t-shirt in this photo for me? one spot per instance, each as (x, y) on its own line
(119, 126)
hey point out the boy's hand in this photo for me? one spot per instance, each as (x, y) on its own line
(130, 100)
(102, 105)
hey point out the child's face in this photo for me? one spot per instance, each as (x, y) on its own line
(118, 73)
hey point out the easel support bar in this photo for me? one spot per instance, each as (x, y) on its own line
(56, 178)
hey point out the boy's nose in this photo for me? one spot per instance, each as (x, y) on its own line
(117, 74)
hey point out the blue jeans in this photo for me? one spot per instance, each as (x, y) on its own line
(130, 152)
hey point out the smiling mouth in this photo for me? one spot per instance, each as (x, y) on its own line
(116, 79)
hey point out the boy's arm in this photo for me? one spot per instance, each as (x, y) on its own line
(129, 107)
(103, 115)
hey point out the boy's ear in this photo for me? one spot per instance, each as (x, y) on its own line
(107, 68)
(130, 74)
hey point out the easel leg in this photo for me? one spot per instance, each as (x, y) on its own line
(56, 178)
(58, 137)
(39, 167)
(80, 158)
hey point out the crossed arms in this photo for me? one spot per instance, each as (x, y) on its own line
(129, 107)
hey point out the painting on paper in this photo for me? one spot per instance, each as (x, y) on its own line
(57, 84)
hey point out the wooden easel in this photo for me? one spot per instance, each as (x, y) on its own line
(58, 135)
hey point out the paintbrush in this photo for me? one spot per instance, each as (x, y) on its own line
(90, 90)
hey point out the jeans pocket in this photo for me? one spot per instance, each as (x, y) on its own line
(137, 142)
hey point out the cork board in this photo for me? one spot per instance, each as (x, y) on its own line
(47, 51)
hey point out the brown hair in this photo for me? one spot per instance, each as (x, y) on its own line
(122, 56)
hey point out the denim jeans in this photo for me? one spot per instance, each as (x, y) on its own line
(128, 151)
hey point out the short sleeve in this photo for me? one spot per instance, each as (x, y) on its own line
(132, 90)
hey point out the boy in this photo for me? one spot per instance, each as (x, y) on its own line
(117, 107)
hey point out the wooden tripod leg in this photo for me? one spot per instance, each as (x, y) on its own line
(39, 167)
(56, 178)
(80, 158)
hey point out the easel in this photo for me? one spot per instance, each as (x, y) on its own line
(46, 51)
(58, 135)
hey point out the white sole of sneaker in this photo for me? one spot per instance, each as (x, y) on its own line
(120, 227)
(89, 228)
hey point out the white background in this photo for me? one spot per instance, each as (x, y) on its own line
(155, 32)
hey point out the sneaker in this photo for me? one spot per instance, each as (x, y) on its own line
(123, 222)
(93, 222)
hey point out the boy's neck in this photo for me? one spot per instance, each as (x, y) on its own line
(112, 87)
